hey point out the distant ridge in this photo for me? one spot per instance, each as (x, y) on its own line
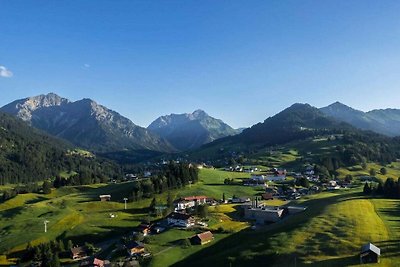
(383, 121)
(85, 123)
(191, 130)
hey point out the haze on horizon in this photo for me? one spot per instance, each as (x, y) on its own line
(239, 61)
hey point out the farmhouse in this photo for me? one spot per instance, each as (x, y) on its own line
(78, 253)
(135, 248)
(203, 238)
(189, 202)
(105, 197)
(264, 214)
(369, 253)
(180, 219)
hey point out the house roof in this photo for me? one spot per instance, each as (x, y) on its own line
(206, 236)
(194, 198)
(371, 247)
(104, 196)
(179, 216)
(78, 250)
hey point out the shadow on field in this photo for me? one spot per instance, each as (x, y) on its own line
(252, 248)
(8, 214)
(344, 261)
(389, 248)
(110, 233)
(36, 200)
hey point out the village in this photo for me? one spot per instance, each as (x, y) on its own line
(191, 211)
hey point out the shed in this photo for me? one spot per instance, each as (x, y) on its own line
(369, 253)
(203, 238)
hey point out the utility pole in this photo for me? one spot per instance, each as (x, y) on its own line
(125, 199)
(45, 225)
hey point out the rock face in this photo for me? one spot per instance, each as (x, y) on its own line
(85, 123)
(383, 121)
(190, 130)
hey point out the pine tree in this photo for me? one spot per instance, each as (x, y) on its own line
(170, 201)
(153, 205)
(46, 187)
(367, 189)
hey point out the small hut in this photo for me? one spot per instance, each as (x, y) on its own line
(369, 254)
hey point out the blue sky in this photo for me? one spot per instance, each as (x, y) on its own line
(240, 61)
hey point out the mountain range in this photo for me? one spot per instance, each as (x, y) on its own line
(383, 121)
(296, 121)
(85, 123)
(190, 130)
(89, 125)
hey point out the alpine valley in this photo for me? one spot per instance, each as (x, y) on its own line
(189, 186)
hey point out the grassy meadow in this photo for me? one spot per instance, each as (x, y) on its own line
(329, 233)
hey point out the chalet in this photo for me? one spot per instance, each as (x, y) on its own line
(189, 202)
(180, 219)
(369, 254)
(105, 197)
(135, 248)
(264, 214)
(201, 239)
(94, 262)
(147, 174)
(79, 253)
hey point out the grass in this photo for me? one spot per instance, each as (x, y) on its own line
(329, 233)
(76, 213)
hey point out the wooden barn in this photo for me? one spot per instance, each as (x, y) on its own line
(203, 238)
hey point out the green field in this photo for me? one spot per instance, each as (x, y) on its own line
(76, 213)
(329, 233)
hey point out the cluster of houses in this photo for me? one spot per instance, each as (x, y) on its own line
(239, 168)
(82, 254)
(275, 175)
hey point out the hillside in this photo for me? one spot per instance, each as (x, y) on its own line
(383, 121)
(28, 155)
(296, 122)
(190, 130)
(85, 123)
(299, 126)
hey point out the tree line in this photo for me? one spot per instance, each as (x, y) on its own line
(171, 176)
(390, 188)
